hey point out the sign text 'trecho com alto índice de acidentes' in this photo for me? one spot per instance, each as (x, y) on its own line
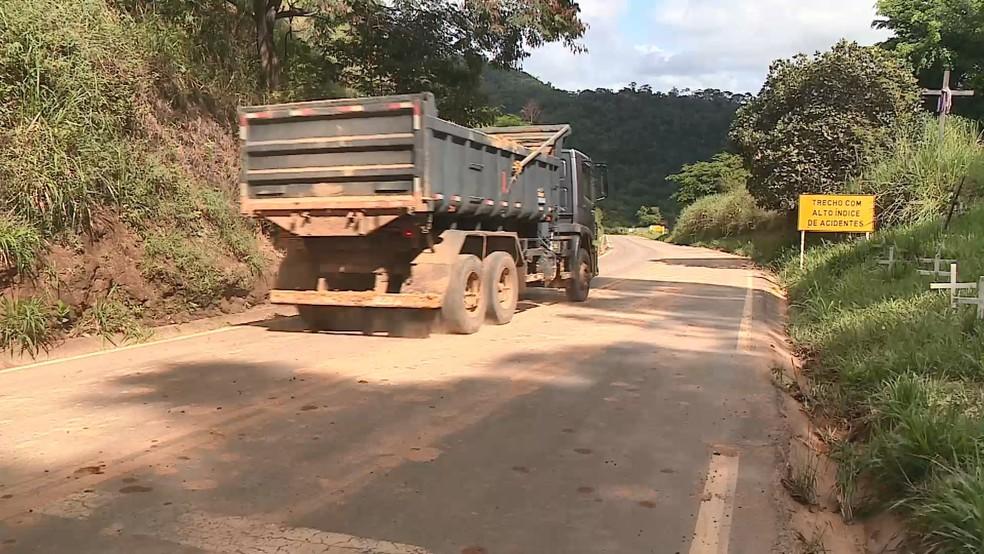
(837, 213)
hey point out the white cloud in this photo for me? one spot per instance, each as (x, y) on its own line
(726, 44)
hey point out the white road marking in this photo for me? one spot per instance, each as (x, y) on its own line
(745, 343)
(713, 531)
(120, 349)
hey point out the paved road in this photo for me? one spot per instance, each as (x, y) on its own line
(642, 421)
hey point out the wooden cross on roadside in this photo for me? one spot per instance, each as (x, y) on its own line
(946, 95)
(953, 287)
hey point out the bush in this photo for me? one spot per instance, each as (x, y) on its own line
(728, 214)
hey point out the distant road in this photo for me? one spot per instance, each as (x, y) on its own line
(642, 421)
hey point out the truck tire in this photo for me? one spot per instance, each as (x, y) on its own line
(579, 284)
(464, 307)
(501, 287)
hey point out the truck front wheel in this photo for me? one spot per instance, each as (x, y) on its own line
(465, 300)
(501, 286)
(579, 284)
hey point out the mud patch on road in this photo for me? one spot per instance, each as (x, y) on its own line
(585, 490)
(135, 488)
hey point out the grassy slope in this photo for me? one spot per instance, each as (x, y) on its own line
(117, 172)
(903, 375)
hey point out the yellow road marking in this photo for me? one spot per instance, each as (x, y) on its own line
(713, 531)
(745, 343)
(114, 350)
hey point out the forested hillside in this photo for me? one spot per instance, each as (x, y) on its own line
(643, 135)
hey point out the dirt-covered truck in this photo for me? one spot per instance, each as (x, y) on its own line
(389, 208)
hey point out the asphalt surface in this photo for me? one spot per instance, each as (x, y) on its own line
(642, 421)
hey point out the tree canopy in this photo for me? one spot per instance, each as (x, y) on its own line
(938, 34)
(420, 37)
(819, 118)
(723, 172)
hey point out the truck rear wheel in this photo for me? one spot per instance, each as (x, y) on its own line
(501, 287)
(464, 307)
(579, 284)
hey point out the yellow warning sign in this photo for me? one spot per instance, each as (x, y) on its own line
(842, 213)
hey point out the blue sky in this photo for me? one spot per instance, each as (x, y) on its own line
(725, 44)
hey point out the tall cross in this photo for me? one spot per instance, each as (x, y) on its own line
(946, 95)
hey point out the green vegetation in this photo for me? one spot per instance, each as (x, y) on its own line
(112, 317)
(938, 35)
(917, 178)
(812, 127)
(643, 135)
(185, 268)
(27, 324)
(904, 375)
(734, 221)
(649, 215)
(724, 172)
(20, 246)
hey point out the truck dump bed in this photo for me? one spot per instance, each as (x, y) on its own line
(390, 155)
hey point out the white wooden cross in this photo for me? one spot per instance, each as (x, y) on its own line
(953, 286)
(890, 262)
(938, 265)
(979, 301)
(946, 95)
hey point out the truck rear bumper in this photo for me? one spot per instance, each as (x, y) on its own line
(418, 301)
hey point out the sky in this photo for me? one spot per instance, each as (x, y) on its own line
(723, 44)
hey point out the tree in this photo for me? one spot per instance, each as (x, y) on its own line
(532, 112)
(649, 215)
(502, 31)
(723, 172)
(508, 120)
(819, 118)
(938, 35)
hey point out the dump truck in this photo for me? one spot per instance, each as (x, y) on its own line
(389, 208)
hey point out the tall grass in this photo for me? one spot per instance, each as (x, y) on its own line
(27, 324)
(916, 180)
(20, 246)
(86, 87)
(904, 372)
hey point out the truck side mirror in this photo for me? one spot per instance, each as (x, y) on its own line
(602, 192)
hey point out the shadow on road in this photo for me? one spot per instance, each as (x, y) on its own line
(710, 263)
(577, 448)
